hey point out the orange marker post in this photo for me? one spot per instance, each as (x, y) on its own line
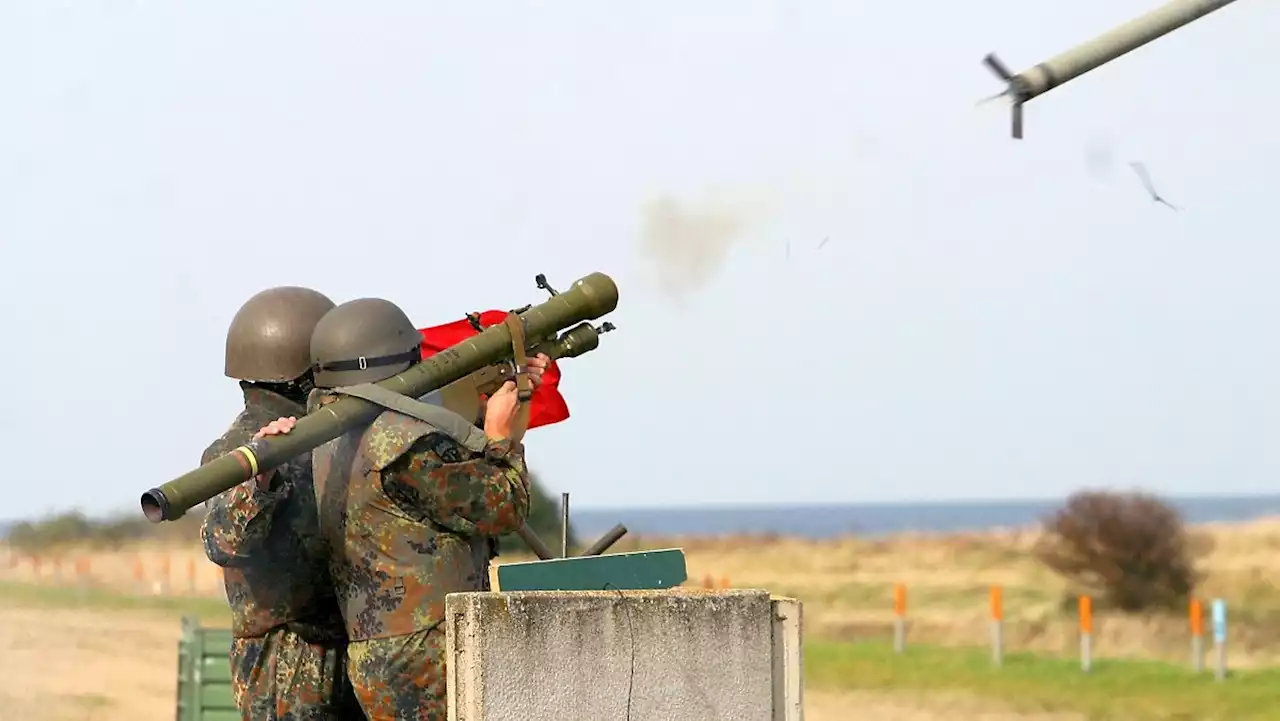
(899, 618)
(191, 575)
(1195, 617)
(997, 626)
(164, 574)
(1086, 633)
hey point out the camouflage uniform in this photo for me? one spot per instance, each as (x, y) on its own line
(410, 515)
(289, 647)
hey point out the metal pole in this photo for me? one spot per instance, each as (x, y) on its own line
(564, 525)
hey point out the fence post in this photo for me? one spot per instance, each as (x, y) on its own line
(997, 626)
(899, 618)
(1196, 613)
(1220, 637)
(1086, 633)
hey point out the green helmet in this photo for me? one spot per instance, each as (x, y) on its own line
(270, 337)
(363, 341)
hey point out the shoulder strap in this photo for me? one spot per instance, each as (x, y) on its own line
(524, 384)
(443, 419)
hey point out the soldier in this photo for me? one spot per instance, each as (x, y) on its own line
(410, 504)
(288, 653)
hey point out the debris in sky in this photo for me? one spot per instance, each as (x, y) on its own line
(824, 242)
(1145, 177)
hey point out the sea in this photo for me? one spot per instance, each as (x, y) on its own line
(870, 520)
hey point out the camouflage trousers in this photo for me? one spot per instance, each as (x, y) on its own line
(401, 678)
(280, 677)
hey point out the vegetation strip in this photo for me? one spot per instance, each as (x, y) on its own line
(1113, 691)
(212, 611)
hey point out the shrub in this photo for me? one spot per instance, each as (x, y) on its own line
(1132, 551)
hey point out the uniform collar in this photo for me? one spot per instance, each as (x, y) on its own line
(274, 403)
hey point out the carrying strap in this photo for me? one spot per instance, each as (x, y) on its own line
(524, 384)
(442, 419)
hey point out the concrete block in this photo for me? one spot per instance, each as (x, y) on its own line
(788, 659)
(669, 655)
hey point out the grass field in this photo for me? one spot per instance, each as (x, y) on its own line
(1030, 684)
(1140, 669)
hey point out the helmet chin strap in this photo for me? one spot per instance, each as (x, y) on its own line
(295, 390)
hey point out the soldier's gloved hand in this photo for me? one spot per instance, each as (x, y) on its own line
(279, 426)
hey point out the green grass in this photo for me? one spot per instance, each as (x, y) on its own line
(1112, 691)
(212, 611)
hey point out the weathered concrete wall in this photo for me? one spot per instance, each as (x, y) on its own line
(674, 655)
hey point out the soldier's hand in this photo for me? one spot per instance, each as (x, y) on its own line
(277, 427)
(537, 366)
(500, 412)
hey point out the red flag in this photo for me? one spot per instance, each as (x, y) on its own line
(547, 406)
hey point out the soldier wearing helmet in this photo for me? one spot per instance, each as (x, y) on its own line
(409, 505)
(289, 648)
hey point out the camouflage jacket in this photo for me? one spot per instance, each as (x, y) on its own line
(409, 515)
(267, 542)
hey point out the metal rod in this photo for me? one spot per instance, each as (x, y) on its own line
(535, 544)
(607, 540)
(564, 525)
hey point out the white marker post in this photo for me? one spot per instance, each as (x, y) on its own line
(1220, 637)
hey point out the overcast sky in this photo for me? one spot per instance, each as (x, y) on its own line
(990, 318)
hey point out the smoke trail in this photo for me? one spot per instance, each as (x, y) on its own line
(688, 243)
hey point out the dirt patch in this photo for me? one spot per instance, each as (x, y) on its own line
(907, 706)
(87, 665)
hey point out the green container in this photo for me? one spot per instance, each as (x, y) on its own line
(204, 674)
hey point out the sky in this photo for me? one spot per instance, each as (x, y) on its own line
(988, 318)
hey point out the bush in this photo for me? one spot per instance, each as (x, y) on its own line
(75, 528)
(1131, 551)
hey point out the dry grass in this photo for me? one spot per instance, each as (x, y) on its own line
(846, 584)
